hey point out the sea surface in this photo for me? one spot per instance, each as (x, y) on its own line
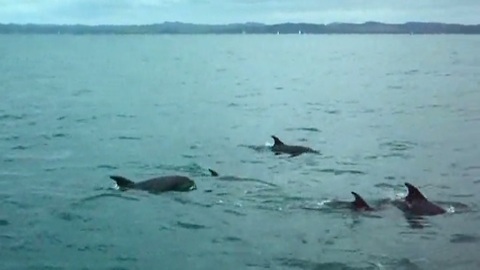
(382, 110)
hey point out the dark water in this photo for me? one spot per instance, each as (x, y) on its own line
(382, 110)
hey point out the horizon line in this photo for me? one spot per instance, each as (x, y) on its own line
(232, 23)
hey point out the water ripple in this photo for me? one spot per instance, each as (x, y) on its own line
(340, 172)
(311, 129)
(306, 264)
(4, 222)
(190, 226)
(130, 138)
(464, 238)
(12, 116)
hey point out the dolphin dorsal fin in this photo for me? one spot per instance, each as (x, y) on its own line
(122, 182)
(212, 172)
(277, 141)
(359, 202)
(414, 193)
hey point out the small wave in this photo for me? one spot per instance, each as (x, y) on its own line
(411, 72)
(241, 179)
(71, 217)
(54, 156)
(11, 138)
(81, 92)
(464, 238)
(20, 147)
(131, 138)
(233, 212)
(125, 116)
(332, 111)
(395, 87)
(306, 264)
(191, 168)
(4, 222)
(123, 258)
(12, 116)
(340, 172)
(252, 161)
(463, 195)
(52, 169)
(258, 148)
(473, 168)
(233, 104)
(398, 145)
(399, 155)
(105, 195)
(190, 226)
(311, 129)
(106, 166)
(95, 248)
(84, 120)
(227, 239)
(385, 185)
(232, 239)
(59, 135)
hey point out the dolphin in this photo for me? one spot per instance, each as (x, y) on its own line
(157, 184)
(417, 204)
(280, 147)
(359, 203)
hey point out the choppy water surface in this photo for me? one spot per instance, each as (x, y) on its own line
(382, 110)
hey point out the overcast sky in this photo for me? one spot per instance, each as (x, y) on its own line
(233, 11)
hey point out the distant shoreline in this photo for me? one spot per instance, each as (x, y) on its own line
(244, 28)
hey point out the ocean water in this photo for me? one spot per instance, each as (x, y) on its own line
(382, 109)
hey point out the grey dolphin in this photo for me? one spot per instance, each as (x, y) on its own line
(280, 147)
(417, 204)
(360, 204)
(157, 184)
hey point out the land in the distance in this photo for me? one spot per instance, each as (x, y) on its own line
(245, 28)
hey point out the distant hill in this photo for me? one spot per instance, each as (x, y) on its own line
(246, 28)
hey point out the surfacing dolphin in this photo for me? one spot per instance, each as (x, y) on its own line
(359, 204)
(157, 184)
(417, 204)
(280, 147)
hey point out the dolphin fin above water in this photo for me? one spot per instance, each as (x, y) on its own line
(122, 182)
(277, 141)
(414, 193)
(279, 147)
(360, 203)
(416, 203)
(212, 172)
